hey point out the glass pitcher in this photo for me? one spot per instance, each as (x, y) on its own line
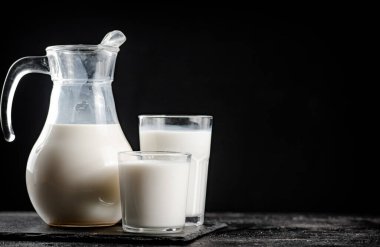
(72, 172)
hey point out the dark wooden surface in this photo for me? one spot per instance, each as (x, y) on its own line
(29, 226)
(242, 230)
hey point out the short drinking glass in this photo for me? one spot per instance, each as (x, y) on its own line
(153, 191)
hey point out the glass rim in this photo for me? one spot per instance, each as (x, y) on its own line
(156, 153)
(174, 116)
(81, 48)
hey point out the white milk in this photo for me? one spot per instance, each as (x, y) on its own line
(197, 143)
(72, 174)
(153, 193)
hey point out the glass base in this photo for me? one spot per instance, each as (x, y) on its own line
(194, 220)
(152, 230)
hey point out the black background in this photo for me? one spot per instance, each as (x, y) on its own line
(281, 83)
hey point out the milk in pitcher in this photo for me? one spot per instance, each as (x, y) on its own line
(76, 180)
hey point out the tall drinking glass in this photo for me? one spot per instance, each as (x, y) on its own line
(185, 133)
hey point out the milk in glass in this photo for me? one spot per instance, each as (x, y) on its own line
(153, 193)
(196, 142)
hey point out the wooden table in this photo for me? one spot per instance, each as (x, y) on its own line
(254, 229)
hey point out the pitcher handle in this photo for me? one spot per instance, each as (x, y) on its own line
(18, 69)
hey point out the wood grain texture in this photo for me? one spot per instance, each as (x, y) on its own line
(26, 229)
